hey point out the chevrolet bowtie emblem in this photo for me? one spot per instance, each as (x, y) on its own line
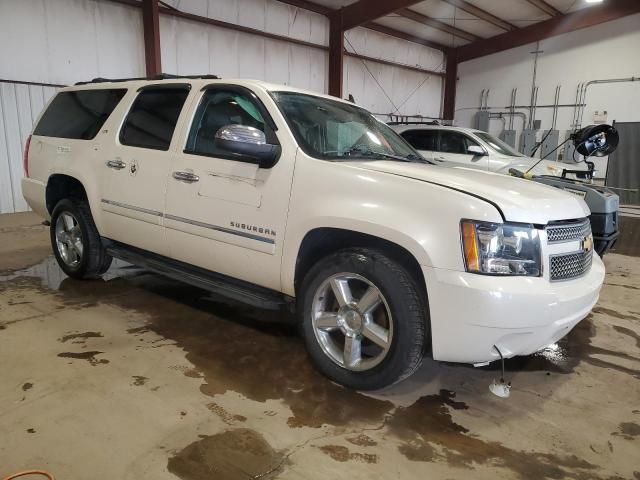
(587, 243)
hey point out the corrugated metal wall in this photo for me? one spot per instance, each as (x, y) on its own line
(20, 106)
(65, 41)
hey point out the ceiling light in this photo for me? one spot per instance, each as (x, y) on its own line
(593, 1)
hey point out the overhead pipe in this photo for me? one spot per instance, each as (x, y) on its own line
(556, 102)
(511, 116)
(514, 93)
(534, 90)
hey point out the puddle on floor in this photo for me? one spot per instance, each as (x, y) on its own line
(88, 356)
(340, 453)
(238, 454)
(251, 354)
(628, 430)
(233, 349)
(79, 337)
(436, 437)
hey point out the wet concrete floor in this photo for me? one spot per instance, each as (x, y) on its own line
(138, 376)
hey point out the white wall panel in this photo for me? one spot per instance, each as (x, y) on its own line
(20, 106)
(20, 42)
(190, 48)
(409, 92)
(396, 83)
(65, 41)
(252, 13)
(377, 45)
(223, 53)
(609, 50)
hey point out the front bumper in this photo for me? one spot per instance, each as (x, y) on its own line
(471, 313)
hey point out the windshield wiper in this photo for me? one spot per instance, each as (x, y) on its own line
(367, 152)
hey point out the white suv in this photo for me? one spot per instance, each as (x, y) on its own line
(285, 198)
(467, 147)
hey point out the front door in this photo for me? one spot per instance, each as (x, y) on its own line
(455, 148)
(136, 170)
(223, 212)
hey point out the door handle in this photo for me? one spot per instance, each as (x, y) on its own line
(186, 177)
(117, 164)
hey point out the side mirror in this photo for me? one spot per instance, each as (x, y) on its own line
(248, 142)
(476, 150)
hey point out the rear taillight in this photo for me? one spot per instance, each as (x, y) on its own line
(25, 158)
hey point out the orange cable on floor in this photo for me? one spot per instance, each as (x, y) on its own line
(30, 472)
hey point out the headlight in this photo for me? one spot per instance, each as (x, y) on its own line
(501, 248)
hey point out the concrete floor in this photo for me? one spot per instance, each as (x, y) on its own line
(142, 377)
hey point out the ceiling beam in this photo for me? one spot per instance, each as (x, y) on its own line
(336, 56)
(481, 14)
(312, 7)
(364, 11)
(438, 25)
(151, 35)
(381, 61)
(545, 7)
(450, 84)
(392, 32)
(583, 18)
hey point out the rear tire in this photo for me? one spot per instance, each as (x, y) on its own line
(376, 334)
(76, 242)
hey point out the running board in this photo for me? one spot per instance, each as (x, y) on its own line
(223, 285)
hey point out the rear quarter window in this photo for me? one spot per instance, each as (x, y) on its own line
(78, 114)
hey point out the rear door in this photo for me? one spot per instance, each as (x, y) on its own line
(135, 172)
(453, 149)
(423, 140)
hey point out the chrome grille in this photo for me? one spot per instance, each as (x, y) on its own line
(569, 265)
(568, 232)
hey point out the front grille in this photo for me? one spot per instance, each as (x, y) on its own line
(569, 265)
(568, 232)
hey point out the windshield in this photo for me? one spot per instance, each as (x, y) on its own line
(335, 130)
(498, 145)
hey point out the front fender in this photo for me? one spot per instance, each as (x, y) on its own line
(422, 218)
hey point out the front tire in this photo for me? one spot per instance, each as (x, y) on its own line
(76, 242)
(364, 319)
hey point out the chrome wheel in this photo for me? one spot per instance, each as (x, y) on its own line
(69, 239)
(352, 321)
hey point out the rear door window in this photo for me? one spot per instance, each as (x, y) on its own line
(455, 142)
(422, 139)
(79, 114)
(153, 117)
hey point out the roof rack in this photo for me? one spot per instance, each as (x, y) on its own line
(422, 122)
(162, 76)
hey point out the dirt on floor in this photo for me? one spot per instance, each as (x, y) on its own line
(138, 376)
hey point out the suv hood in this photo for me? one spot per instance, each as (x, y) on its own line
(540, 167)
(519, 200)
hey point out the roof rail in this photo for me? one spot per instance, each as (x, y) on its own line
(162, 76)
(422, 122)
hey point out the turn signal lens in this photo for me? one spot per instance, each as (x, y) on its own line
(470, 242)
